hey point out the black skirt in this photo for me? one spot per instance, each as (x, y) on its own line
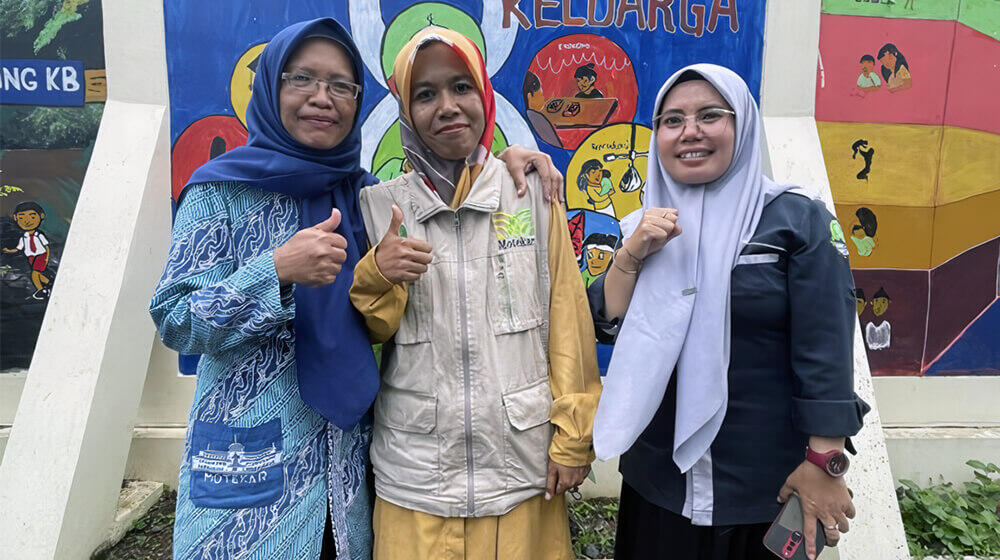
(649, 532)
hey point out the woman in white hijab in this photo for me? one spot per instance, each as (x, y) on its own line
(731, 382)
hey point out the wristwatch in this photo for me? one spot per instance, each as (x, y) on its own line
(834, 463)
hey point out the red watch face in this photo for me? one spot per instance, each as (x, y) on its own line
(837, 464)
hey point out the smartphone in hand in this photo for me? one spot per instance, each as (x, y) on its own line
(786, 537)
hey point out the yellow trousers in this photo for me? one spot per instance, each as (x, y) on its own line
(534, 530)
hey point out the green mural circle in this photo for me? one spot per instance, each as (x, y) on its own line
(417, 17)
(387, 163)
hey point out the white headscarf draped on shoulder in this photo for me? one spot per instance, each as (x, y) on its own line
(679, 315)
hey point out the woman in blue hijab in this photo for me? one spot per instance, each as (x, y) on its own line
(265, 240)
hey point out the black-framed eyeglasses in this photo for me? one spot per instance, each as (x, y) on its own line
(706, 119)
(308, 84)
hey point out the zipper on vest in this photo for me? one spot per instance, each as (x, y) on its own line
(467, 375)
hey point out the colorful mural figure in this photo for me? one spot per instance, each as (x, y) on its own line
(586, 77)
(52, 92)
(576, 95)
(878, 337)
(590, 82)
(868, 80)
(859, 298)
(33, 244)
(595, 181)
(895, 70)
(861, 147)
(598, 249)
(607, 172)
(921, 216)
(863, 232)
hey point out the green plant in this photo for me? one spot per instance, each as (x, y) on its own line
(942, 520)
(592, 525)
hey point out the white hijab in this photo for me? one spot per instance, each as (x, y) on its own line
(679, 314)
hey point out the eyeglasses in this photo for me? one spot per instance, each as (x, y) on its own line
(308, 84)
(709, 119)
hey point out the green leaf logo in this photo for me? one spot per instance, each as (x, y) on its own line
(509, 226)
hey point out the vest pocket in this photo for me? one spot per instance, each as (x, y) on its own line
(528, 441)
(235, 467)
(404, 446)
(415, 326)
(512, 291)
(405, 410)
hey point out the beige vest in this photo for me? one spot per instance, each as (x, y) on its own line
(462, 417)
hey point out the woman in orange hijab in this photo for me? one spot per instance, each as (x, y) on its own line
(490, 384)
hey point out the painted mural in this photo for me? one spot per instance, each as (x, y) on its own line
(52, 93)
(574, 79)
(906, 104)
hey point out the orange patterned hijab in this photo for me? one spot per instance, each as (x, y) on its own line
(437, 172)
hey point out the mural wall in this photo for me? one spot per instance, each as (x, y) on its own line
(52, 92)
(575, 79)
(906, 99)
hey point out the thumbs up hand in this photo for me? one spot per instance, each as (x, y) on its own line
(401, 259)
(313, 256)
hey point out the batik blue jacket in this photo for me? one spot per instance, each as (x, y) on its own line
(261, 470)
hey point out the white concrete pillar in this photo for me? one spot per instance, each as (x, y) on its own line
(62, 467)
(788, 95)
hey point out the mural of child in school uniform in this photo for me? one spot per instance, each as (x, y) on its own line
(895, 69)
(33, 244)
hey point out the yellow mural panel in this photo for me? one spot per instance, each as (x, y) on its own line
(962, 225)
(882, 164)
(880, 236)
(970, 165)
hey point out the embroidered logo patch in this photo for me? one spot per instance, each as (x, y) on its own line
(837, 238)
(514, 230)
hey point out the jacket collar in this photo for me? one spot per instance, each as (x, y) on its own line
(483, 197)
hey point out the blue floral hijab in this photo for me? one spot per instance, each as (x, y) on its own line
(336, 368)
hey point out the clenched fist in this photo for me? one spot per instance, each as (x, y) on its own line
(313, 256)
(658, 225)
(401, 259)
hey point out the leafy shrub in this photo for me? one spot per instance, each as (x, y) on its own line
(941, 520)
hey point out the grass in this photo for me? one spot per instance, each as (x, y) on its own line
(591, 523)
(150, 537)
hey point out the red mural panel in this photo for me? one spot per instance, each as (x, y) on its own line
(200, 142)
(893, 318)
(576, 84)
(960, 290)
(975, 81)
(883, 70)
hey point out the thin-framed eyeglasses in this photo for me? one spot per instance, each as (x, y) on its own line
(708, 119)
(308, 84)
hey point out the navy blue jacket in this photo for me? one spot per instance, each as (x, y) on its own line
(790, 371)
